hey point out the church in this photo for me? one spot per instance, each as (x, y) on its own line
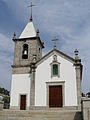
(44, 87)
(51, 81)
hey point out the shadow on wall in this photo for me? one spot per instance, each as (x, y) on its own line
(78, 116)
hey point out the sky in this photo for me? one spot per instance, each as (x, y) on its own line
(68, 20)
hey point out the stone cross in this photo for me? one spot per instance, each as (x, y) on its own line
(55, 42)
(31, 10)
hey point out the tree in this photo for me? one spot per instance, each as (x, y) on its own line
(83, 95)
(6, 97)
(4, 91)
(88, 94)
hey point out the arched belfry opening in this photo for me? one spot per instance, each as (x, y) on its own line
(25, 51)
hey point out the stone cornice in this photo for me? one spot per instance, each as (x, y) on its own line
(30, 38)
(18, 66)
(55, 51)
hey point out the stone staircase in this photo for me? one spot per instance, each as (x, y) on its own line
(52, 114)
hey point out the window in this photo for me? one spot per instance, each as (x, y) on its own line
(39, 50)
(25, 52)
(55, 69)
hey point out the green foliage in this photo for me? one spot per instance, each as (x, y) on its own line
(4, 91)
(6, 97)
(83, 95)
(6, 102)
(88, 94)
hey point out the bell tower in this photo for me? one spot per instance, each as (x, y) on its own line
(27, 51)
(27, 45)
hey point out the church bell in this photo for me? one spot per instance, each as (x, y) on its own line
(25, 52)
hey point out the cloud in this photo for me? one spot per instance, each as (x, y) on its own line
(6, 44)
(69, 20)
(6, 58)
(4, 1)
(16, 7)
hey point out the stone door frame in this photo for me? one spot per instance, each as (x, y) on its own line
(20, 100)
(58, 83)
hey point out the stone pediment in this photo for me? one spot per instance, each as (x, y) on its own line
(56, 52)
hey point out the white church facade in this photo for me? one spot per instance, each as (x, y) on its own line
(44, 87)
(51, 81)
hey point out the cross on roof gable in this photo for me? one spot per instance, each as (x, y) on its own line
(72, 60)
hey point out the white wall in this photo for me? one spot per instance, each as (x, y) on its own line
(67, 74)
(20, 85)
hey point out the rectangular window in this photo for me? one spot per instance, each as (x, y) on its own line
(55, 69)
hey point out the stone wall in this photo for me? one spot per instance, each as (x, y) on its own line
(63, 114)
(52, 114)
(86, 108)
(41, 114)
(1, 105)
(48, 114)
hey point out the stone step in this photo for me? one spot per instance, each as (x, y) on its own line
(40, 115)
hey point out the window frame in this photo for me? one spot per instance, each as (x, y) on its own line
(23, 49)
(55, 62)
(55, 69)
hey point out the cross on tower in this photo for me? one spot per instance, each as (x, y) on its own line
(55, 42)
(31, 10)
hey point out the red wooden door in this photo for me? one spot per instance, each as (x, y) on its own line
(23, 102)
(55, 96)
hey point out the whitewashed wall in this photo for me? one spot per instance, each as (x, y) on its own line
(67, 74)
(20, 85)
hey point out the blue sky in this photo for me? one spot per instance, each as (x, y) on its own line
(68, 20)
